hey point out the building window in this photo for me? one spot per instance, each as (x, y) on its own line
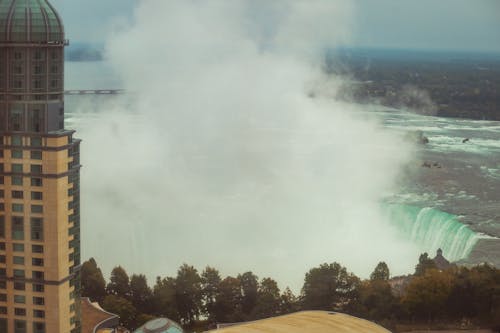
(3, 272)
(17, 154)
(3, 321)
(36, 195)
(36, 168)
(38, 313)
(19, 273)
(18, 260)
(19, 285)
(37, 209)
(18, 208)
(36, 142)
(16, 118)
(39, 327)
(39, 288)
(2, 246)
(20, 299)
(17, 195)
(2, 259)
(17, 180)
(36, 229)
(16, 247)
(36, 155)
(38, 300)
(17, 227)
(3, 310)
(2, 226)
(3, 297)
(36, 182)
(16, 167)
(16, 140)
(37, 261)
(37, 248)
(20, 312)
(38, 55)
(37, 275)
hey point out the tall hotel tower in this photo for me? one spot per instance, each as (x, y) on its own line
(39, 176)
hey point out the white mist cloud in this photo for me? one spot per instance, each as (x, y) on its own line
(223, 158)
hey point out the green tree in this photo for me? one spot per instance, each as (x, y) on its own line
(228, 302)
(119, 283)
(188, 293)
(426, 295)
(268, 299)
(476, 295)
(123, 308)
(424, 263)
(140, 293)
(92, 280)
(381, 272)
(163, 302)
(249, 289)
(288, 302)
(377, 301)
(329, 287)
(210, 285)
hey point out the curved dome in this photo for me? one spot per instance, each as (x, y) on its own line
(160, 325)
(29, 21)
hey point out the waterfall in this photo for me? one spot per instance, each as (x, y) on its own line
(432, 229)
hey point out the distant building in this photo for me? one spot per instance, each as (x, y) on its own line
(39, 176)
(440, 261)
(399, 283)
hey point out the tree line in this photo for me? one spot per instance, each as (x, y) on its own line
(458, 295)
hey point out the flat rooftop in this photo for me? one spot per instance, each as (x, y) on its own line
(306, 321)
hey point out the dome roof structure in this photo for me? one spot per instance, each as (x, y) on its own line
(29, 21)
(160, 325)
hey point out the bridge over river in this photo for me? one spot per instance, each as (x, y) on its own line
(94, 92)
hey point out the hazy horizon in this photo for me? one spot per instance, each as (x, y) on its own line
(425, 25)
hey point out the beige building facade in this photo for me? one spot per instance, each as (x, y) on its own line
(39, 176)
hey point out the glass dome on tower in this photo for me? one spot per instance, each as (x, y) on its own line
(31, 21)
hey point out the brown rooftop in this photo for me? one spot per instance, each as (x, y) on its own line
(306, 321)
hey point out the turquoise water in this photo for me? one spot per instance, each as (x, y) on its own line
(432, 229)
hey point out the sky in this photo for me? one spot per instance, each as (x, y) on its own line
(425, 24)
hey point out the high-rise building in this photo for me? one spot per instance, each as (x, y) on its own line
(39, 175)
